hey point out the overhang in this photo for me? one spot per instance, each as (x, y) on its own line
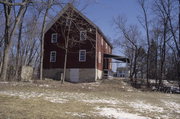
(116, 57)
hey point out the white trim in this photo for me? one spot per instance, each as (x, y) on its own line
(51, 59)
(99, 74)
(99, 57)
(52, 38)
(80, 60)
(102, 40)
(84, 31)
(68, 21)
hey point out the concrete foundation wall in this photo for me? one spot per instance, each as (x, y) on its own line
(99, 74)
(85, 75)
(53, 73)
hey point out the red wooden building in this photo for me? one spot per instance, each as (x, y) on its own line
(88, 50)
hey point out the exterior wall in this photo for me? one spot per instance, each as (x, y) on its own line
(123, 72)
(85, 75)
(101, 47)
(74, 47)
(91, 69)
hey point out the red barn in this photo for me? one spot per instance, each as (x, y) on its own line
(88, 50)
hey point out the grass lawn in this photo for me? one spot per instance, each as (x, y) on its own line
(104, 99)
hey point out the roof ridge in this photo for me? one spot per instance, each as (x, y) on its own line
(86, 18)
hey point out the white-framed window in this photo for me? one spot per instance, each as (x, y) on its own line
(102, 40)
(82, 55)
(68, 21)
(109, 49)
(83, 35)
(106, 45)
(99, 59)
(53, 56)
(54, 38)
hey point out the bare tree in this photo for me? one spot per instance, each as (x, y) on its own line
(131, 36)
(145, 23)
(10, 29)
(48, 6)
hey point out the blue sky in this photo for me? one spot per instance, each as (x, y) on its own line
(103, 12)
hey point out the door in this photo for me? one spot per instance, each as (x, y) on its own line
(105, 64)
(74, 75)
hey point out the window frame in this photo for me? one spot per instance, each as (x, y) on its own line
(80, 60)
(102, 40)
(99, 57)
(52, 38)
(85, 35)
(51, 52)
(68, 21)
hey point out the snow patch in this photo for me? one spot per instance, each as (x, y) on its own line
(118, 114)
(23, 95)
(108, 101)
(173, 106)
(77, 114)
(56, 99)
(4, 82)
(45, 85)
(145, 107)
(129, 90)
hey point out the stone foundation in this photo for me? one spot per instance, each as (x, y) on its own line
(85, 75)
(99, 74)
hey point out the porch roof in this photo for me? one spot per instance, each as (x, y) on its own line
(116, 57)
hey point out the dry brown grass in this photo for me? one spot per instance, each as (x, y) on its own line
(82, 100)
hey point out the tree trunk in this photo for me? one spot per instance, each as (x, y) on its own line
(5, 62)
(42, 40)
(17, 77)
(18, 52)
(156, 67)
(65, 61)
(147, 75)
(9, 34)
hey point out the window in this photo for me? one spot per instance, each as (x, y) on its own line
(106, 45)
(99, 57)
(68, 21)
(82, 55)
(54, 38)
(102, 40)
(53, 56)
(109, 49)
(83, 35)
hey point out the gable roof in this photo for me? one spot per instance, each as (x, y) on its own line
(83, 16)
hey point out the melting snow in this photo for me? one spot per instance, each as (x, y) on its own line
(77, 114)
(173, 106)
(118, 114)
(45, 85)
(145, 107)
(108, 101)
(56, 99)
(22, 95)
(4, 82)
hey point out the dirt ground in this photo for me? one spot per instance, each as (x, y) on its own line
(103, 99)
